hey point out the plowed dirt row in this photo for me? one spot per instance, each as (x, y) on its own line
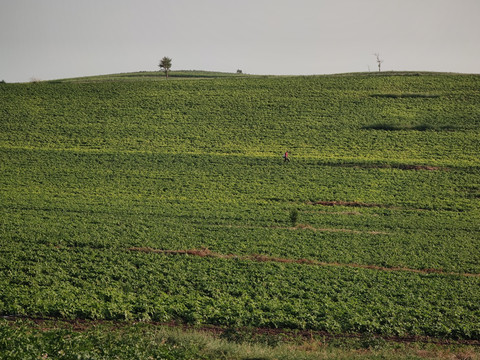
(306, 227)
(204, 252)
(47, 323)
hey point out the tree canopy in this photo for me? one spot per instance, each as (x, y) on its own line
(165, 65)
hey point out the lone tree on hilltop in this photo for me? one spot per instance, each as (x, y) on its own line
(165, 65)
(379, 61)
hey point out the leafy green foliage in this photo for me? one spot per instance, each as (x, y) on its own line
(294, 216)
(24, 340)
(18, 341)
(88, 170)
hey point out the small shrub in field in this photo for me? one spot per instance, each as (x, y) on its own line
(294, 217)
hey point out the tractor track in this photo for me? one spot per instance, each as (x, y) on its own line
(80, 325)
(205, 252)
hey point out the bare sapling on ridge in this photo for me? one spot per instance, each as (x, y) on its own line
(379, 61)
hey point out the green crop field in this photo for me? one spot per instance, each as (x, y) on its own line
(137, 198)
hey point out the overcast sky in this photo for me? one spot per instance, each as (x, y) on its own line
(53, 39)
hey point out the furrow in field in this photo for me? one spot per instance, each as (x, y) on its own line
(289, 335)
(205, 252)
(306, 227)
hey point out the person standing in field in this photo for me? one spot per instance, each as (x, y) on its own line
(285, 157)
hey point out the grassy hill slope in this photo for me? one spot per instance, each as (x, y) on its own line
(154, 75)
(169, 200)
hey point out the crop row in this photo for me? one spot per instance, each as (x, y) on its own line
(88, 171)
(312, 117)
(421, 219)
(73, 284)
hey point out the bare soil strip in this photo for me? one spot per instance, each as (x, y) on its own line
(350, 213)
(347, 203)
(80, 325)
(420, 167)
(205, 252)
(359, 204)
(393, 166)
(309, 227)
(305, 227)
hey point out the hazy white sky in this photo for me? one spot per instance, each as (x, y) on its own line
(52, 39)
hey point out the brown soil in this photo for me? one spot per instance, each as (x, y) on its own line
(346, 203)
(419, 167)
(205, 252)
(360, 204)
(394, 166)
(351, 213)
(304, 227)
(46, 324)
(309, 227)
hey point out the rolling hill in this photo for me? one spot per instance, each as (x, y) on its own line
(131, 197)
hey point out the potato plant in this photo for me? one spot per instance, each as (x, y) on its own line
(383, 174)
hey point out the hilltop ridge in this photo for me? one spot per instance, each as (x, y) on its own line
(131, 197)
(205, 74)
